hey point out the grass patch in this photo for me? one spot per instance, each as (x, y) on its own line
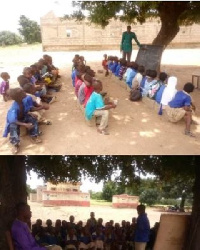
(100, 202)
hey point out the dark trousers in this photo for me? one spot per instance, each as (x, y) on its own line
(127, 56)
(15, 129)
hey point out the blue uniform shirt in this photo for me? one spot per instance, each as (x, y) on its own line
(181, 99)
(142, 229)
(13, 113)
(130, 75)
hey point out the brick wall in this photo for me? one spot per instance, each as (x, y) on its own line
(125, 201)
(71, 35)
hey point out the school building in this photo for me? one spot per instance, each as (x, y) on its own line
(61, 194)
(66, 35)
(125, 201)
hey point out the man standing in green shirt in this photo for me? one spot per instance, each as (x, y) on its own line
(126, 43)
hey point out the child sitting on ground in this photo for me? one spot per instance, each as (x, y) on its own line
(105, 64)
(79, 82)
(181, 107)
(138, 77)
(19, 115)
(115, 64)
(71, 240)
(131, 73)
(123, 67)
(4, 87)
(150, 81)
(88, 80)
(154, 87)
(95, 106)
(36, 107)
(161, 82)
(75, 61)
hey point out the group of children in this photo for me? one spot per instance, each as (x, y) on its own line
(93, 235)
(37, 84)
(145, 83)
(90, 95)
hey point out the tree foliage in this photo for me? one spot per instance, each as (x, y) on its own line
(30, 30)
(171, 14)
(9, 38)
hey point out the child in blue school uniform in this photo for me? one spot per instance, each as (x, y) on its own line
(182, 106)
(114, 65)
(131, 73)
(19, 115)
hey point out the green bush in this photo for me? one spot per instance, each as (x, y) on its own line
(9, 38)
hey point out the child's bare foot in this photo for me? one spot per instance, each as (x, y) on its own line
(15, 149)
(103, 131)
(189, 133)
(35, 139)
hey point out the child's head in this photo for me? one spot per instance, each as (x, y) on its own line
(133, 65)
(17, 94)
(82, 58)
(162, 76)
(29, 88)
(105, 56)
(188, 87)
(88, 80)
(81, 68)
(141, 69)
(27, 72)
(49, 223)
(46, 58)
(22, 80)
(5, 76)
(151, 74)
(97, 85)
(91, 72)
(115, 59)
(123, 62)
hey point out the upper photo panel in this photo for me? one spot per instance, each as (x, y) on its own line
(100, 78)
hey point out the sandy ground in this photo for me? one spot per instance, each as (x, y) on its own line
(134, 128)
(83, 213)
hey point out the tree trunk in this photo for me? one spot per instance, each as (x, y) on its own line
(12, 191)
(182, 203)
(169, 13)
(194, 235)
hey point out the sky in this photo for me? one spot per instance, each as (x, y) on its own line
(11, 11)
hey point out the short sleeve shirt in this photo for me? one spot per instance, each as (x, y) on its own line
(95, 102)
(180, 100)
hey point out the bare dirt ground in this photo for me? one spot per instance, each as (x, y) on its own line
(83, 213)
(134, 128)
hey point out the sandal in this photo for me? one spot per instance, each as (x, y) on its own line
(189, 133)
(35, 139)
